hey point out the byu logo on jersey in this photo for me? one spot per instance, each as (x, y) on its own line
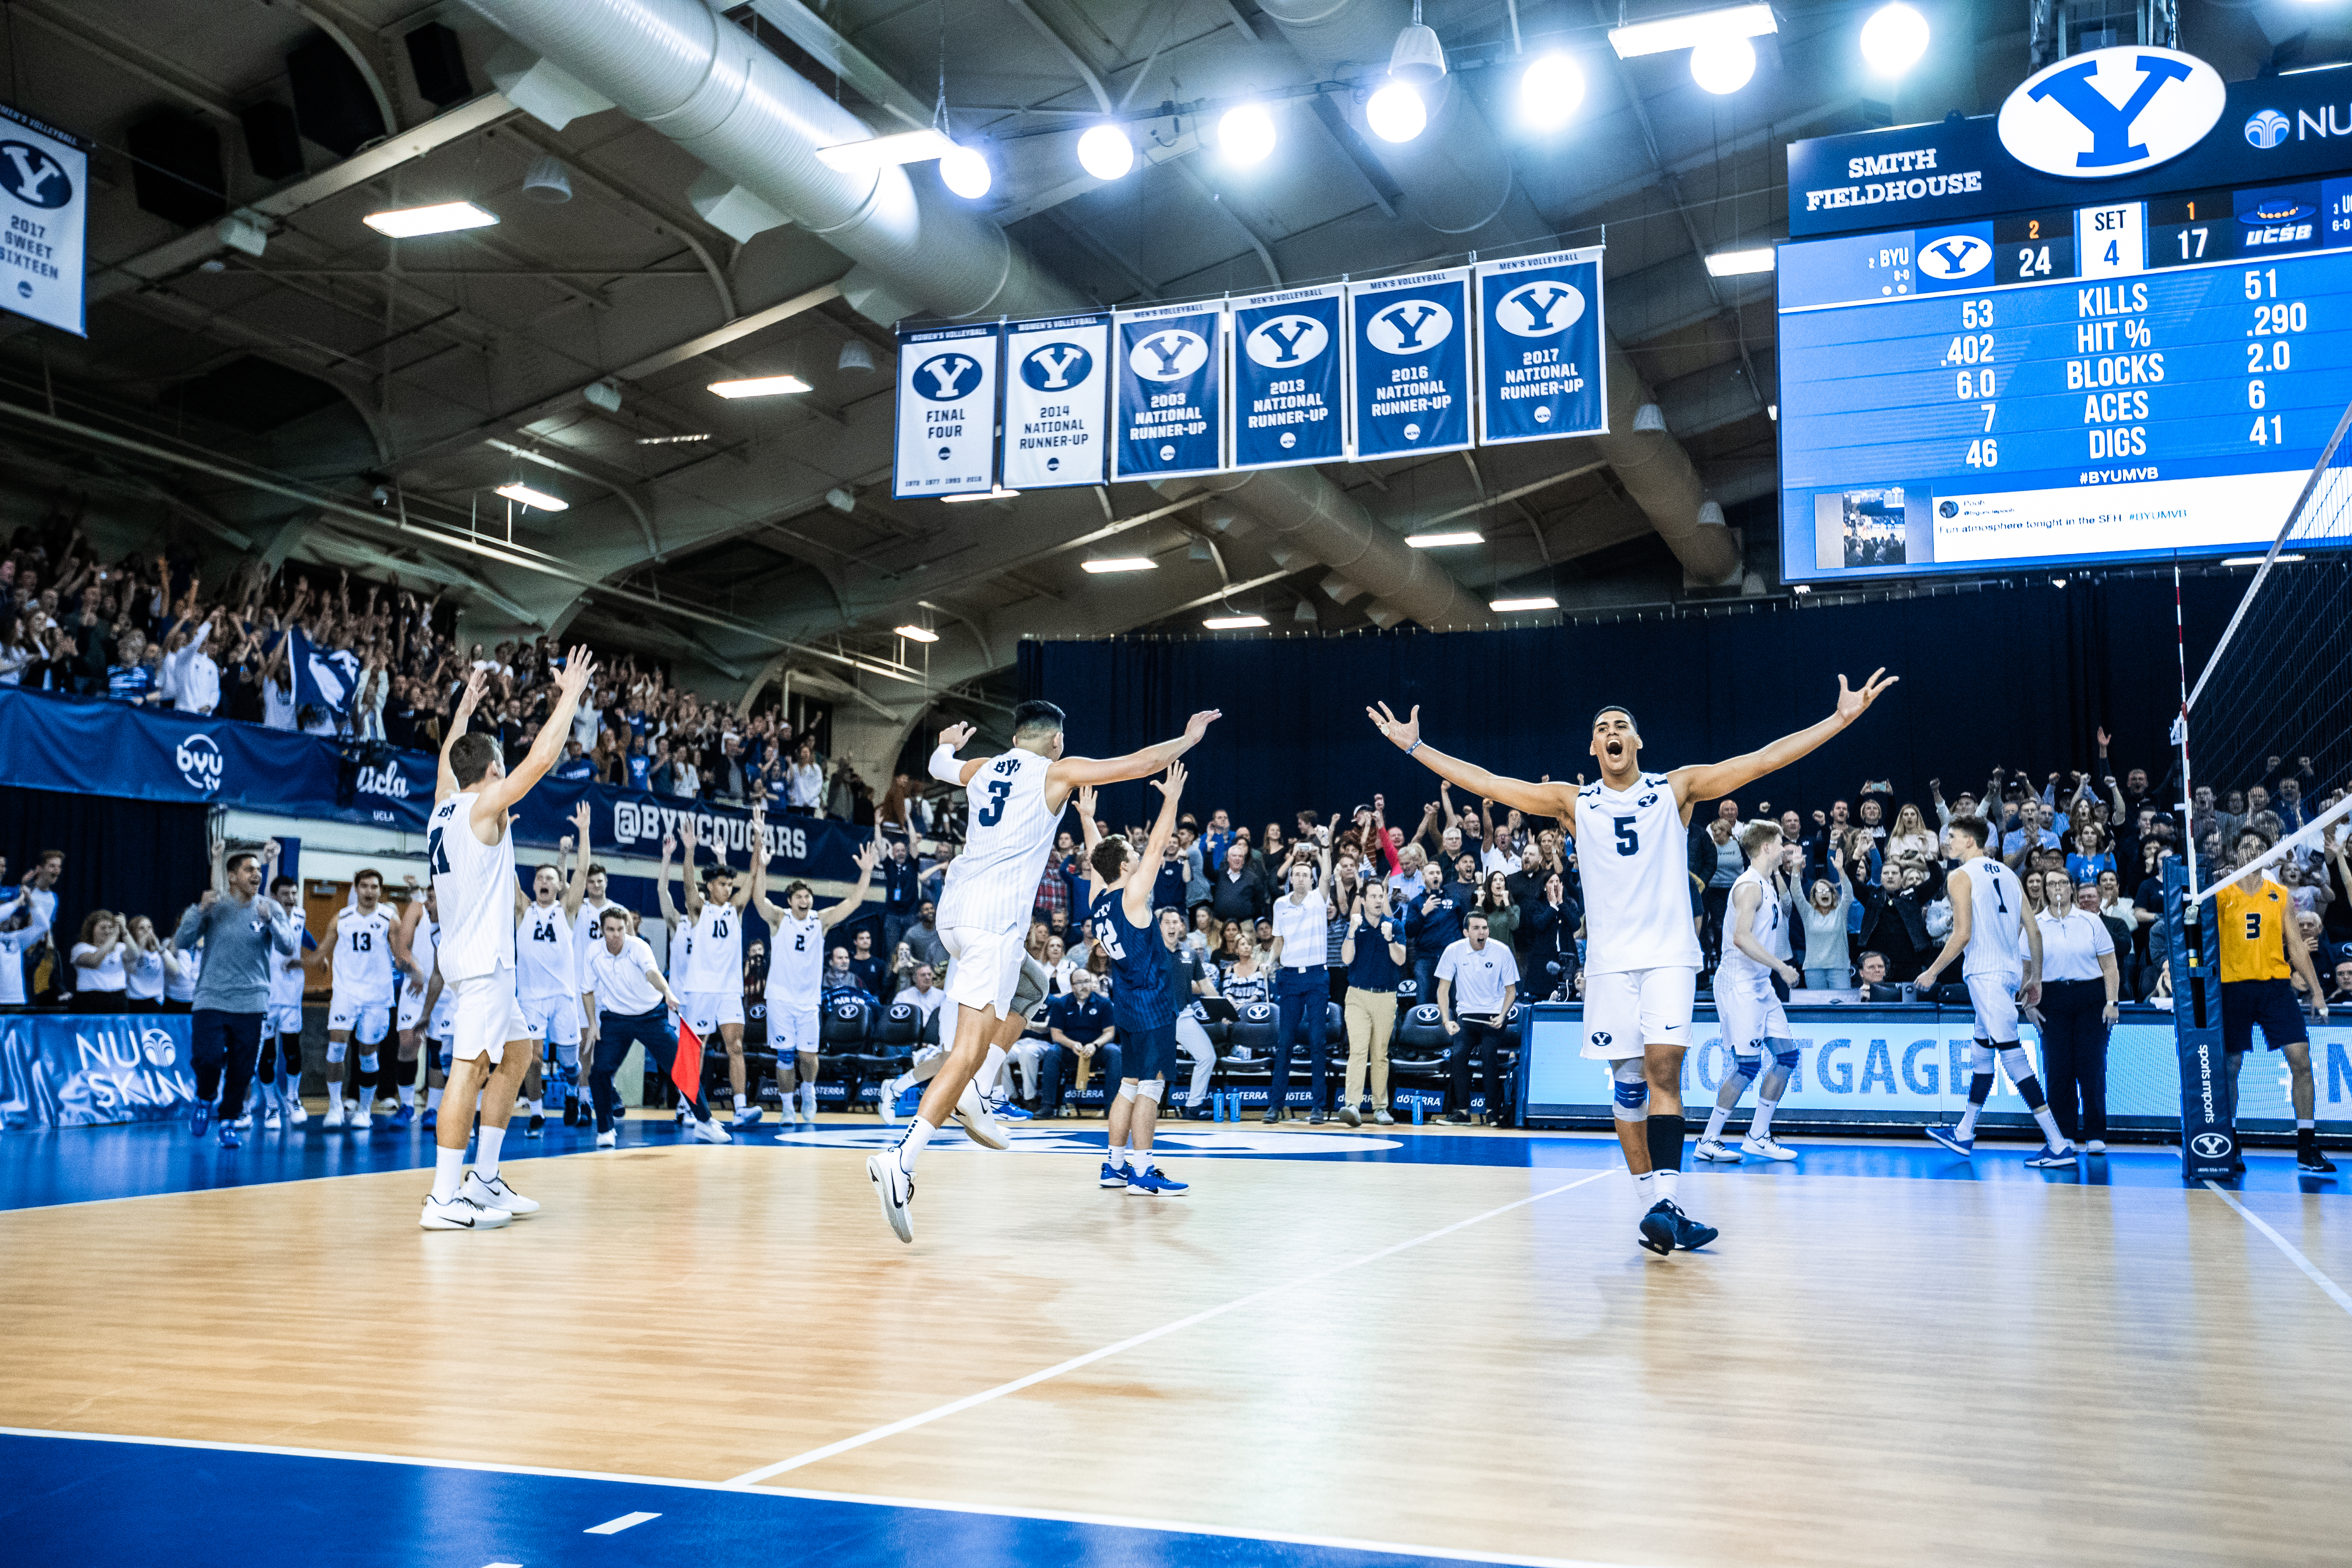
(1288, 340)
(945, 377)
(2111, 111)
(200, 762)
(2266, 129)
(1056, 367)
(1955, 256)
(1170, 353)
(1410, 326)
(1538, 310)
(32, 177)
(1647, 800)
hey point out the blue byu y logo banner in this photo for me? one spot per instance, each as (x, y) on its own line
(1542, 363)
(2111, 111)
(946, 439)
(1171, 390)
(1058, 403)
(45, 201)
(1286, 382)
(1409, 364)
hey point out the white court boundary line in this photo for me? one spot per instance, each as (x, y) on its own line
(2294, 1254)
(970, 1401)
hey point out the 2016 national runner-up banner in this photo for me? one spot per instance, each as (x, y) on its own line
(1542, 361)
(945, 444)
(1287, 386)
(1409, 364)
(1170, 377)
(1058, 403)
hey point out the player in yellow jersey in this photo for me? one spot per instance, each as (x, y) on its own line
(2260, 953)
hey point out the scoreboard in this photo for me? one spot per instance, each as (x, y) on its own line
(2076, 381)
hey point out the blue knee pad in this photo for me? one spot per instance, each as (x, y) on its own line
(1746, 1066)
(1632, 1092)
(1788, 1057)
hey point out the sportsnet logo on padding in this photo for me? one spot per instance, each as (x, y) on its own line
(1543, 368)
(1170, 383)
(1286, 381)
(1056, 402)
(946, 438)
(1409, 364)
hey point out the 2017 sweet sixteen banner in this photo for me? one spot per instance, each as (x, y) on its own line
(1428, 361)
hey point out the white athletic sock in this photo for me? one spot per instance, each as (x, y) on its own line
(1714, 1120)
(1763, 1126)
(2304, 1124)
(738, 1105)
(1645, 1188)
(432, 1097)
(406, 1093)
(1137, 1159)
(808, 1101)
(1968, 1126)
(539, 1108)
(2050, 1132)
(911, 1147)
(1668, 1180)
(448, 1170)
(990, 1069)
(486, 1151)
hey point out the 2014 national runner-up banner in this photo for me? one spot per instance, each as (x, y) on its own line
(945, 444)
(1287, 387)
(1409, 364)
(1058, 403)
(1170, 410)
(1543, 365)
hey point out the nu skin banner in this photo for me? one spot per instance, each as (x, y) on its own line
(945, 444)
(1170, 368)
(1287, 384)
(1542, 363)
(1409, 364)
(1058, 403)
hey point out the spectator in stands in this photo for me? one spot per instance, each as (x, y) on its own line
(149, 965)
(130, 679)
(922, 991)
(23, 927)
(1374, 952)
(1238, 893)
(921, 940)
(1502, 911)
(804, 782)
(873, 974)
(2092, 854)
(1828, 902)
(1894, 923)
(1910, 837)
(1717, 862)
(1433, 922)
(1548, 928)
(1301, 988)
(2340, 991)
(1078, 1024)
(839, 981)
(98, 981)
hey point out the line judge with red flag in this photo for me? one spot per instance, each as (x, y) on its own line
(628, 1000)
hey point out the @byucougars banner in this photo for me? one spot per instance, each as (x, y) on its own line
(44, 174)
(1409, 364)
(1542, 370)
(1286, 402)
(945, 440)
(1171, 387)
(1058, 403)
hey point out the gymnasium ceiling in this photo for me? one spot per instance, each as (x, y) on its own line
(401, 382)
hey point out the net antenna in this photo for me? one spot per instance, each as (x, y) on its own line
(2279, 681)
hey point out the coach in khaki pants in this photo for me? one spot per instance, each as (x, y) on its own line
(1373, 952)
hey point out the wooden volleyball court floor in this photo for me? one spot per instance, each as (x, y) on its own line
(1383, 1346)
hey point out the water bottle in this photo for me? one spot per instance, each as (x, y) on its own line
(1416, 1111)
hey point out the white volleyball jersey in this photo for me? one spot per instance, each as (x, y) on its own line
(287, 986)
(474, 884)
(1768, 928)
(993, 885)
(423, 945)
(712, 955)
(546, 964)
(586, 932)
(1633, 853)
(796, 962)
(1995, 930)
(364, 954)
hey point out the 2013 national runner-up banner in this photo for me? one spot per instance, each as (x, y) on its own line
(1170, 378)
(945, 444)
(1058, 403)
(1288, 391)
(44, 192)
(1409, 364)
(1543, 365)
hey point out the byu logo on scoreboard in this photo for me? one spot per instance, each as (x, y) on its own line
(2111, 111)
(1538, 310)
(1288, 340)
(1170, 353)
(945, 377)
(1410, 326)
(1056, 367)
(32, 177)
(2267, 130)
(1954, 257)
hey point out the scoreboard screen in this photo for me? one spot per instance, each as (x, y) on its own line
(2088, 380)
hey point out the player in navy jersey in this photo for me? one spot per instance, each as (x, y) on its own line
(1632, 831)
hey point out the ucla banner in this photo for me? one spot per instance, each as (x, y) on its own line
(45, 173)
(64, 1070)
(1171, 390)
(945, 444)
(1286, 382)
(1542, 366)
(1409, 364)
(1058, 403)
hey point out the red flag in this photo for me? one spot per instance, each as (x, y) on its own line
(686, 1070)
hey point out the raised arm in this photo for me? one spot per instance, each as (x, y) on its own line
(1072, 772)
(1155, 847)
(1712, 780)
(575, 892)
(685, 877)
(949, 768)
(757, 880)
(868, 858)
(499, 795)
(1545, 799)
(661, 880)
(445, 784)
(1091, 833)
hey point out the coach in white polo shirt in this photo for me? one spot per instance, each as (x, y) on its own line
(1477, 979)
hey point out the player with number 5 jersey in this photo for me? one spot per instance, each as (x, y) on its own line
(1632, 831)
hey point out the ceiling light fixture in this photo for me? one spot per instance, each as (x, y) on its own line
(1123, 563)
(524, 495)
(1893, 38)
(760, 387)
(1739, 263)
(1396, 112)
(1418, 58)
(997, 492)
(965, 172)
(1723, 66)
(1438, 540)
(1105, 152)
(672, 440)
(447, 217)
(1551, 89)
(548, 180)
(1232, 623)
(1247, 134)
(917, 634)
(1505, 606)
(1690, 32)
(874, 152)
(2257, 560)
(855, 355)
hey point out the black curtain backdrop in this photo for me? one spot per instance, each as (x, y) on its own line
(140, 856)
(2017, 678)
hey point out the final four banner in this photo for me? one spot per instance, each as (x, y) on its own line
(1409, 364)
(1542, 366)
(945, 440)
(1171, 391)
(1287, 384)
(1058, 403)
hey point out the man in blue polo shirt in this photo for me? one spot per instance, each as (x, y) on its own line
(902, 894)
(1078, 1024)
(1433, 922)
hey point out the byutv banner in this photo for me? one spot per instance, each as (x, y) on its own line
(945, 440)
(1056, 402)
(1288, 391)
(1542, 361)
(1171, 391)
(1409, 364)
